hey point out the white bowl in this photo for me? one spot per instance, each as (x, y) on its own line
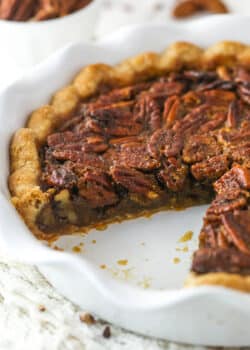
(204, 315)
(28, 43)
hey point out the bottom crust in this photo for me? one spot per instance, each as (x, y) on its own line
(233, 281)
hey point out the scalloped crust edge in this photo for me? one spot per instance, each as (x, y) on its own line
(27, 196)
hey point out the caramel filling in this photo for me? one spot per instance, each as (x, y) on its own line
(172, 142)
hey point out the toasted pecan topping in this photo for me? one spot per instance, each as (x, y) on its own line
(164, 142)
(174, 174)
(227, 201)
(184, 135)
(237, 225)
(220, 260)
(236, 178)
(133, 180)
(95, 186)
(200, 147)
(210, 169)
(135, 155)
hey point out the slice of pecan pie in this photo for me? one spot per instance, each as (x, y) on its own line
(154, 132)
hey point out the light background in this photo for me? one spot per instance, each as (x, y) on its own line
(117, 13)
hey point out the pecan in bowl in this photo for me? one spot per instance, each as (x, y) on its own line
(31, 30)
(39, 10)
(187, 8)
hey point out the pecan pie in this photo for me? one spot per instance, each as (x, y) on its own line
(154, 132)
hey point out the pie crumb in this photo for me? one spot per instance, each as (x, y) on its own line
(122, 262)
(76, 249)
(186, 237)
(42, 308)
(184, 249)
(176, 260)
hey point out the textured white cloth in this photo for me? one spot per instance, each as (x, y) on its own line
(23, 289)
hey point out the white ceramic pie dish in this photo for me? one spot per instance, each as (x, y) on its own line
(140, 288)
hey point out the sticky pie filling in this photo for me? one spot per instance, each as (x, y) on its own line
(170, 142)
(156, 131)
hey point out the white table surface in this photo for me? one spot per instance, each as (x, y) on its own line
(23, 289)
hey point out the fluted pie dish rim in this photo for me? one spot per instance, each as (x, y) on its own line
(41, 259)
(30, 198)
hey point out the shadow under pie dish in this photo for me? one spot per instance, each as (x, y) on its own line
(154, 132)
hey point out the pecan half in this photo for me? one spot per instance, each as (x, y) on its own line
(218, 97)
(47, 9)
(24, 10)
(79, 157)
(8, 8)
(200, 147)
(123, 94)
(241, 75)
(208, 236)
(237, 225)
(95, 144)
(116, 119)
(198, 76)
(232, 116)
(244, 92)
(134, 181)
(212, 235)
(227, 201)
(236, 178)
(166, 88)
(186, 8)
(96, 188)
(136, 155)
(215, 122)
(241, 154)
(147, 111)
(89, 125)
(68, 140)
(220, 260)
(210, 169)
(164, 142)
(217, 84)
(170, 112)
(174, 174)
(60, 177)
(110, 111)
(192, 121)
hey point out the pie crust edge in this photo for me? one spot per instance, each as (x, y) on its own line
(26, 194)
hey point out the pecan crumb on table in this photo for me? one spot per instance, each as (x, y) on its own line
(107, 332)
(42, 308)
(87, 318)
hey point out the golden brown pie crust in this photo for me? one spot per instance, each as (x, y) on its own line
(27, 196)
